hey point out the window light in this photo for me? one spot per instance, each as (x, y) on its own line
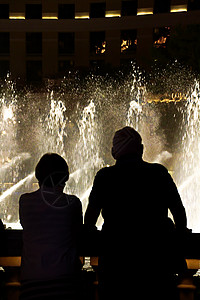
(113, 13)
(178, 8)
(144, 11)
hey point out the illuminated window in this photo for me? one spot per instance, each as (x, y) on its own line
(113, 13)
(193, 4)
(160, 37)
(4, 11)
(128, 41)
(33, 11)
(129, 8)
(4, 43)
(178, 8)
(97, 42)
(4, 68)
(66, 43)
(161, 6)
(66, 11)
(33, 43)
(34, 70)
(97, 10)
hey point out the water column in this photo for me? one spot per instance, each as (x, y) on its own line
(144, 116)
(8, 122)
(54, 127)
(86, 154)
(137, 96)
(189, 161)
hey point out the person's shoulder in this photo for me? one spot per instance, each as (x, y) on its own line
(156, 167)
(105, 170)
(28, 196)
(104, 173)
(31, 194)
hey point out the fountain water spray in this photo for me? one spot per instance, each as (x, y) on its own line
(54, 126)
(79, 123)
(86, 156)
(16, 186)
(189, 161)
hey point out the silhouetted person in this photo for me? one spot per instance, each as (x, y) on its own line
(51, 222)
(139, 253)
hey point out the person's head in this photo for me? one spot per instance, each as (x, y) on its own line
(52, 170)
(127, 141)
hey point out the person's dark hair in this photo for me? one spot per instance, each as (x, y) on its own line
(127, 141)
(52, 170)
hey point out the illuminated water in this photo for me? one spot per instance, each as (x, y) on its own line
(78, 121)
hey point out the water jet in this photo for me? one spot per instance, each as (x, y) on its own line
(78, 122)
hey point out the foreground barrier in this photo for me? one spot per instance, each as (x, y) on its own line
(10, 262)
(11, 266)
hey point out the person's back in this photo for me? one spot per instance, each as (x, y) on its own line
(52, 222)
(134, 193)
(49, 236)
(134, 197)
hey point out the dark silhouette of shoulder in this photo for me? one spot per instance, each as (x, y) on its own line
(40, 194)
(143, 165)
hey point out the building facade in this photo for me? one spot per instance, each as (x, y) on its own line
(45, 38)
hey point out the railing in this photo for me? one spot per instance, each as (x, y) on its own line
(10, 263)
(10, 269)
